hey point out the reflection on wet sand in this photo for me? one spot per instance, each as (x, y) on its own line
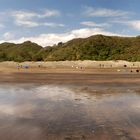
(40, 112)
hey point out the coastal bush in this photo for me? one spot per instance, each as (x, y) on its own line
(96, 47)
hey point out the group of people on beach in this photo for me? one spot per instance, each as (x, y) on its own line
(22, 66)
(132, 70)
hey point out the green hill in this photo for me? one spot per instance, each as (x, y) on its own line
(96, 47)
(26, 51)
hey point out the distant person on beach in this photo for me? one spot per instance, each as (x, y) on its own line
(26, 66)
(18, 66)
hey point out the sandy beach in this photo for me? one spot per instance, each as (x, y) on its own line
(70, 65)
(79, 72)
(56, 101)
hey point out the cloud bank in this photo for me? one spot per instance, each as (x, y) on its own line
(52, 38)
(30, 19)
(104, 12)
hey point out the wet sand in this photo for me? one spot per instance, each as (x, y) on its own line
(69, 105)
(81, 79)
(58, 112)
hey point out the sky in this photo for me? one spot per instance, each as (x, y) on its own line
(47, 22)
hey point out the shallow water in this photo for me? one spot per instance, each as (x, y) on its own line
(54, 112)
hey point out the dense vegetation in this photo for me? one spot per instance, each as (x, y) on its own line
(97, 47)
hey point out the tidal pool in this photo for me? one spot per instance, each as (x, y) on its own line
(56, 112)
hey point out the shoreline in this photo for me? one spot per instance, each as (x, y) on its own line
(65, 73)
(72, 78)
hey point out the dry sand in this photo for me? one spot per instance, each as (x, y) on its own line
(70, 66)
(71, 72)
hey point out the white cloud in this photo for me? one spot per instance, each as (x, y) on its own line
(30, 24)
(104, 12)
(51, 39)
(22, 15)
(133, 23)
(50, 13)
(94, 24)
(29, 15)
(8, 35)
(27, 18)
(26, 23)
(49, 24)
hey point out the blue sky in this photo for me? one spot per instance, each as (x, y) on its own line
(48, 22)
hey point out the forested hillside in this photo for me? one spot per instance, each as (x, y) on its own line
(97, 47)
